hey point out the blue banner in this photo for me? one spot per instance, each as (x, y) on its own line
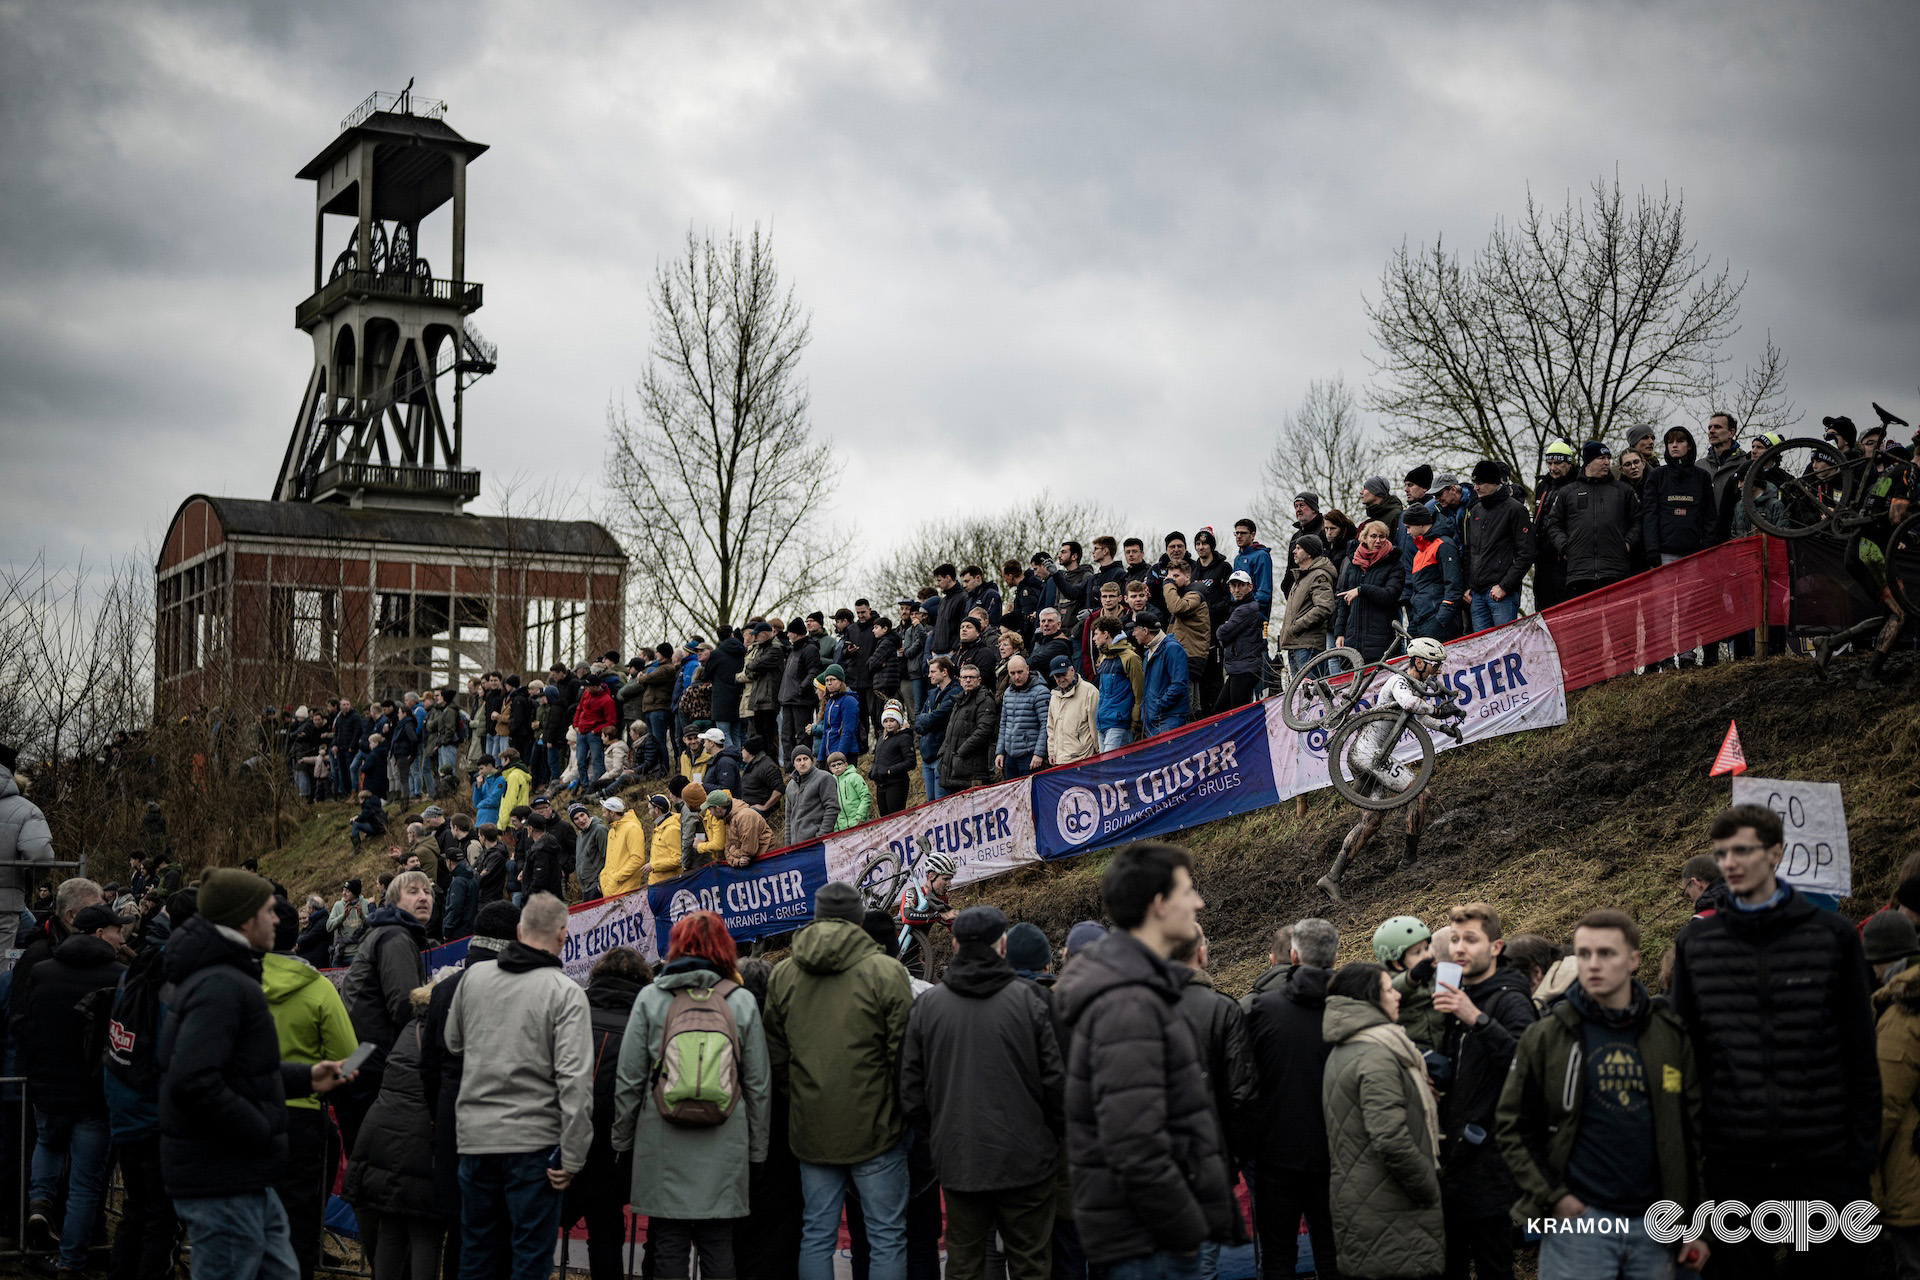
(774, 895)
(1208, 772)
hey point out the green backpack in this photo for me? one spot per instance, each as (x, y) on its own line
(696, 1081)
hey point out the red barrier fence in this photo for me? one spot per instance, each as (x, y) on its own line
(1700, 600)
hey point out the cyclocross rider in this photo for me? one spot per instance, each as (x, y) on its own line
(1870, 551)
(1417, 688)
(923, 904)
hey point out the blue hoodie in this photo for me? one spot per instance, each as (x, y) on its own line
(486, 798)
(1257, 562)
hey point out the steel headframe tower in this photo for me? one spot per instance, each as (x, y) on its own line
(372, 429)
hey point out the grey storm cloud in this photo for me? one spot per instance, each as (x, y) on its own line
(1097, 248)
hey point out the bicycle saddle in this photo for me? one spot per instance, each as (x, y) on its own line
(1890, 419)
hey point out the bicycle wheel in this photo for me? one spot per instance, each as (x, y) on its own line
(1903, 564)
(880, 882)
(1364, 791)
(1808, 483)
(1315, 694)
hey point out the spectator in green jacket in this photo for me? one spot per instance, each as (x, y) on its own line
(836, 1014)
(856, 802)
(1600, 1117)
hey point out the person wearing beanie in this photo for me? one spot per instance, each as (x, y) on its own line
(982, 1044)
(1309, 612)
(698, 825)
(1678, 516)
(314, 1026)
(835, 1018)
(894, 761)
(1418, 483)
(1082, 936)
(813, 799)
(1376, 496)
(1890, 942)
(494, 928)
(1435, 587)
(1594, 524)
(1497, 547)
(838, 725)
(224, 1085)
(1307, 522)
(1030, 954)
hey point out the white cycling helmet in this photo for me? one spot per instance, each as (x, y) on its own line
(1427, 649)
(938, 864)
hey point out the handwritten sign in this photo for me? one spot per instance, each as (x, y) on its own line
(1817, 857)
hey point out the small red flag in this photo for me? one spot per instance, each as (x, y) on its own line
(1731, 758)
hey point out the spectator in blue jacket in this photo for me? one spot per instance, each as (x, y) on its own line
(840, 718)
(1119, 678)
(1435, 585)
(931, 724)
(1256, 562)
(488, 786)
(1166, 699)
(1022, 744)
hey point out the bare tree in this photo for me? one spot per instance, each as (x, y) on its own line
(1016, 532)
(1759, 402)
(1571, 324)
(719, 486)
(1322, 446)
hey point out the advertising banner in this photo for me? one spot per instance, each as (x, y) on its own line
(985, 831)
(1211, 771)
(774, 895)
(1506, 680)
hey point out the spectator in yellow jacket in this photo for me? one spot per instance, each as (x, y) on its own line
(626, 868)
(519, 782)
(664, 862)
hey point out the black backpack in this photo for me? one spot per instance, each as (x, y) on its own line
(132, 1025)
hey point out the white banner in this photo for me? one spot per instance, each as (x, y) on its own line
(1818, 857)
(1506, 680)
(986, 831)
(598, 927)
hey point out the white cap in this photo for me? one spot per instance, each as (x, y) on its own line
(713, 735)
(614, 804)
(1240, 575)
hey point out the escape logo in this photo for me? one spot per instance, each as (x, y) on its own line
(1800, 1223)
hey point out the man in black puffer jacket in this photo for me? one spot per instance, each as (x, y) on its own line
(980, 1074)
(1496, 545)
(1290, 1135)
(1491, 1009)
(223, 1089)
(1773, 991)
(1594, 524)
(1149, 1168)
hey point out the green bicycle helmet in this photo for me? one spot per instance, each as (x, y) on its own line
(1391, 940)
(1561, 451)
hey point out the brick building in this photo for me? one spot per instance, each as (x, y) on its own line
(364, 575)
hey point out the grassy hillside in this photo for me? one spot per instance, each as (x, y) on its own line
(1549, 824)
(1545, 825)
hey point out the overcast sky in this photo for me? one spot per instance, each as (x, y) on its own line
(1097, 247)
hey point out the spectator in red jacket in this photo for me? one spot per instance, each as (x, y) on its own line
(595, 711)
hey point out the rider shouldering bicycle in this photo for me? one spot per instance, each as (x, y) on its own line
(1416, 689)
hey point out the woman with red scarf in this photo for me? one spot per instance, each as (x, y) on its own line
(1369, 594)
